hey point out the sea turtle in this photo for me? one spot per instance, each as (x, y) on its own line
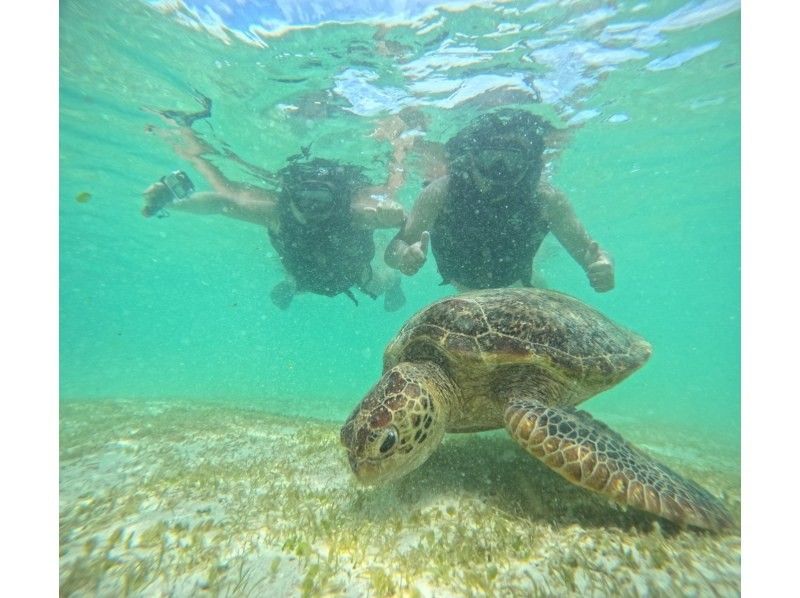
(521, 358)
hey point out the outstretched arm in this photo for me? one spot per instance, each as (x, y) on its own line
(402, 131)
(569, 231)
(229, 198)
(194, 149)
(246, 207)
(409, 248)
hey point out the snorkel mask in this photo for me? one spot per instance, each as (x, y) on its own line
(317, 189)
(500, 149)
(314, 200)
(507, 164)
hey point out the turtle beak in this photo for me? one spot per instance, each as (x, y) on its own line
(346, 436)
(363, 470)
(353, 463)
(369, 472)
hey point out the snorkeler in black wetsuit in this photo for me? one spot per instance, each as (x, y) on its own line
(486, 218)
(321, 221)
(319, 243)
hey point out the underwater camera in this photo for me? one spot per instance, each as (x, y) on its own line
(179, 184)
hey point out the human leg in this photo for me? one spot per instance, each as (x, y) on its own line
(386, 282)
(283, 293)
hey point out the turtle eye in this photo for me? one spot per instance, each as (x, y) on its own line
(389, 441)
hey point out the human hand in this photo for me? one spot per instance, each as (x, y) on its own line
(388, 128)
(599, 268)
(415, 255)
(156, 196)
(386, 214)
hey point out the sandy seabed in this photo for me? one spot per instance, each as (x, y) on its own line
(181, 499)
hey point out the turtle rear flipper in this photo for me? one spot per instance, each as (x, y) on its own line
(591, 455)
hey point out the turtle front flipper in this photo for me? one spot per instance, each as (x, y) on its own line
(588, 453)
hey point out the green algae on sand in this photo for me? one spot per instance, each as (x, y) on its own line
(173, 498)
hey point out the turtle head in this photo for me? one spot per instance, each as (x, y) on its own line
(399, 423)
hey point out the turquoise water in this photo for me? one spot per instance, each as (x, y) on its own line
(160, 315)
(179, 308)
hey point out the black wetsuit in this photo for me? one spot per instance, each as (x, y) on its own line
(326, 258)
(481, 244)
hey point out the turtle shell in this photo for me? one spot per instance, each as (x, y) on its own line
(500, 339)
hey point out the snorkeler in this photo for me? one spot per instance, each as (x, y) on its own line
(321, 221)
(487, 216)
